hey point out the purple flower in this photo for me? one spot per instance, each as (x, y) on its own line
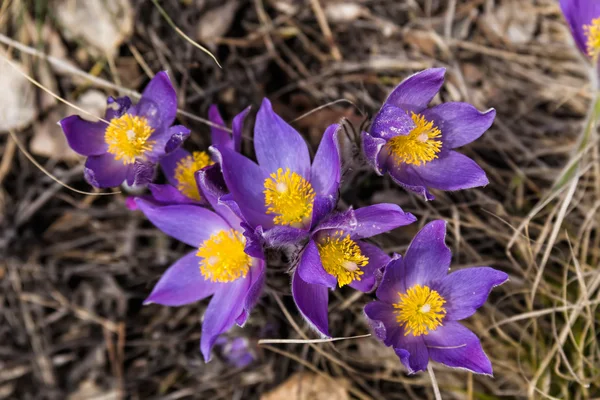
(180, 166)
(415, 143)
(283, 195)
(583, 17)
(217, 267)
(136, 137)
(420, 305)
(236, 351)
(336, 255)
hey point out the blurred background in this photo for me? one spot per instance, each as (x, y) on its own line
(74, 268)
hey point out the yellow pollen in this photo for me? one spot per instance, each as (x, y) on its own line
(223, 257)
(592, 33)
(342, 258)
(420, 310)
(127, 137)
(186, 170)
(419, 146)
(290, 197)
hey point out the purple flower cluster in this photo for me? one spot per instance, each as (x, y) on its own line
(230, 209)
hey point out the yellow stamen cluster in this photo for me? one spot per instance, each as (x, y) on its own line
(127, 137)
(186, 170)
(420, 310)
(419, 146)
(592, 33)
(223, 257)
(289, 197)
(342, 258)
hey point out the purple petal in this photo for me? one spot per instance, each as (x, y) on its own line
(405, 176)
(372, 271)
(322, 206)
(212, 187)
(279, 236)
(186, 223)
(169, 164)
(391, 121)
(460, 123)
(338, 221)
(115, 108)
(416, 92)
(254, 292)
(412, 352)
(579, 13)
(141, 174)
(325, 170)
(254, 241)
(392, 283)
(452, 171)
(311, 301)
(277, 144)
(167, 194)
(379, 218)
(84, 137)
(428, 258)
(160, 93)
(219, 137)
(104, 171)
(237, 126)
(245, 181)
(456, 346)
(177, 134)
(311, 269)
(467, 290)
(182, 284)
(371, 147)
(382, 319)
(225, 306)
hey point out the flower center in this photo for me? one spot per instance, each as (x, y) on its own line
(592, 33)
(420, 310)
(419, 146)
(223, 256)
(186, 170)
(290, 197)
(127, 137)
(341, 257)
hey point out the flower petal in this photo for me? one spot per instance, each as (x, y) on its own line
(467, 290)
(182, 284)
(161, 93)
(277, 144)
(579, 13)
(460, 123)
(279, 236)
(338, 221)
(246, 182)
(382, 319)
(169, 164)
(372, 147)
(186, 223)
(176, 135)
(116, 107)
(372, 271)
(428, 258)
(391, 121)
(212, 187)
(456, 346)
(405, 176)
(84, 137)
(412, 352)
(453, 171)
(254, 292)
(311, 269)
(237, 126)
(322, 206)
(379, 218)
(104, 171)
(311, 301)
(219, 137)
(326, 169)
(142, 173)
(416, 92)
(225, 306)
(392, 283)
(167, 194)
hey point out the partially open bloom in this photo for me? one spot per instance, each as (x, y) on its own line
(420, 305)
(134, 140)
(336, 256)
(583, 17)
(218, 266)
(415, 144)
(284, 195)
(180, 166)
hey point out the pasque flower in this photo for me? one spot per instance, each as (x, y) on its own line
(419, 305)
(283, 195)
(180, 166)
(135, 138)
(583, 17)
(336, 255)
(218, 265)
(415, 144)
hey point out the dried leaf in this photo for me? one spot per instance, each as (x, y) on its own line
(216, 22)
(308, 386)
(17, 103)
